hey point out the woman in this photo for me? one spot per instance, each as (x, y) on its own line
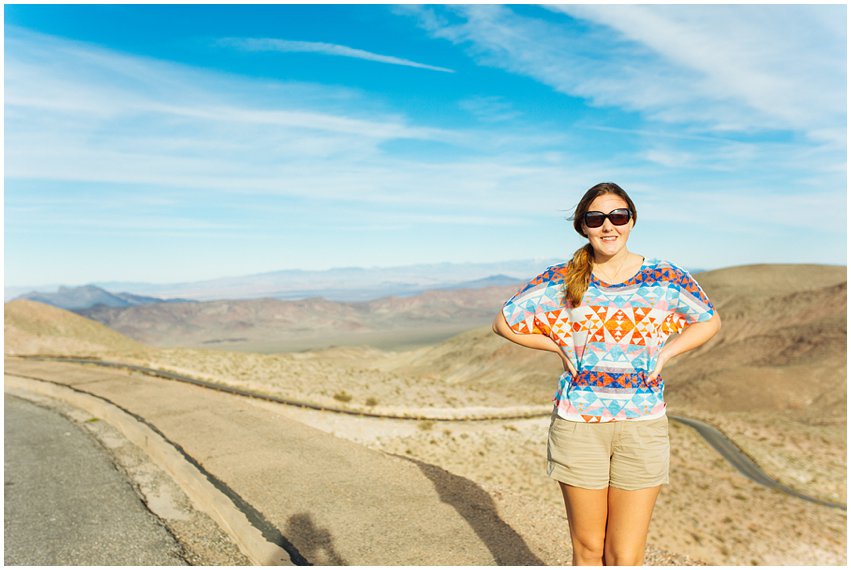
(607, 314)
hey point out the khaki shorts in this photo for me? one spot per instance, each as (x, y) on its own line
(627, 454)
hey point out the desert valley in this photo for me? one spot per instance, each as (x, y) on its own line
(773, 381)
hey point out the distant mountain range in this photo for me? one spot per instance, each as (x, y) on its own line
(275, 325)
(279, 311)
(337, 284)
(88, 296)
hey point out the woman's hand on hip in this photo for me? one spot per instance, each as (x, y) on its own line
(565, 362)
(660, 363)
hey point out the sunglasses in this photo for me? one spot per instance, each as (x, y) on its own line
(618, 217)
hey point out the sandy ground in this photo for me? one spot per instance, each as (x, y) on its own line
(368, 379)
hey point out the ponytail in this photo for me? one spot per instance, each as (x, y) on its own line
(578, 275)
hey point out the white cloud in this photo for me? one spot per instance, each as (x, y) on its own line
(77, 113)
(279, 45)
(490, 108)
(705, 68)
(784, 62)
(669, 158)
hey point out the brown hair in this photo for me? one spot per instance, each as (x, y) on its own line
(578, 275)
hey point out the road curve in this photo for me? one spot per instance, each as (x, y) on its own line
(66, 503)
(720, 442)
(337, 502)
(737, 458)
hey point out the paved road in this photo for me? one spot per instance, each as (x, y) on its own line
(322, 499)
(726, 447)
(65, 502)
(731, 452)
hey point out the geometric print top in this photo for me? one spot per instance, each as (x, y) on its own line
(613, 338)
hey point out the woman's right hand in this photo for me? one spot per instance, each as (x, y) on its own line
(565, 362)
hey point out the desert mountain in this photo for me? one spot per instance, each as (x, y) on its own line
(86, 296)
(31, 327)
(782, 345)
(273, 325)
(756, 293)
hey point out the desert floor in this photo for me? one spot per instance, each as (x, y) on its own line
(709, 512)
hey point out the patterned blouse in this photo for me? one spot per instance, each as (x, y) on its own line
(612, 338)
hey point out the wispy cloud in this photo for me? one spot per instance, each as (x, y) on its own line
(279, 45)
(79, 113)
(785, 63)
(490, 109)
(75, 112)
(732, 69)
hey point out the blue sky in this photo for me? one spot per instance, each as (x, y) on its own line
(177, 143)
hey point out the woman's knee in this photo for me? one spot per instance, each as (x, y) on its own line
(586, 514)
(628, 523)
(588, 547)
(624, 558)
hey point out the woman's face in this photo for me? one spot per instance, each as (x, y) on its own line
(608, 239)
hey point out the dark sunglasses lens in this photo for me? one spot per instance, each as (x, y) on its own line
(619, 217)
(594, 219)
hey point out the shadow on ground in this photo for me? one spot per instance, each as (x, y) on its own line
(478, 509)
(317, 545)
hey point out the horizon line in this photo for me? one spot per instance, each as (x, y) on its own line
(372, 267)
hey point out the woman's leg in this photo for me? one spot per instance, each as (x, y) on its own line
(586, 515)
(629, 514)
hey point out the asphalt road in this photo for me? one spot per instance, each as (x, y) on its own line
(66, 503)
(731, 452)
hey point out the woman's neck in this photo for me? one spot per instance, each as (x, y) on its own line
(614, 261)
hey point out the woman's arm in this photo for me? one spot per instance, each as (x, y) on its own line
(536, 341)
(691, 337)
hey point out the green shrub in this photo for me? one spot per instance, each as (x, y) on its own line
(343, 396)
